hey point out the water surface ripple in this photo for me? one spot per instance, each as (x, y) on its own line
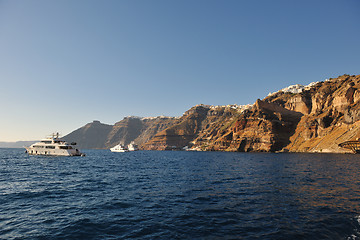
(179, 195)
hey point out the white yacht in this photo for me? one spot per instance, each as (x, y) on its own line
(132, 147)
(119, 148)
(54, 146)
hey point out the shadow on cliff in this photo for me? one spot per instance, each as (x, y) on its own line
(266, 128)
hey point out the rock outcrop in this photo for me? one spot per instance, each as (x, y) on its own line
(266, 127)
(97, 135)
(334, 116)
(313, 118)
(92, 135)
(124, 131)
(180, 133)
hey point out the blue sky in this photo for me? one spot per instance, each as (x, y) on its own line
(66, 63)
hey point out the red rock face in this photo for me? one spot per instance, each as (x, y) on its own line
(282, 122)
(315, 120)
(266, 128)
(98, 135)
(334, 109)
(180, 134)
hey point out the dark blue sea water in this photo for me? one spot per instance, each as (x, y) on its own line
(179, 195)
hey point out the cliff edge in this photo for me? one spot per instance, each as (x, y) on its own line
(313, 118)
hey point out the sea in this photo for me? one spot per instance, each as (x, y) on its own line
(179, 195)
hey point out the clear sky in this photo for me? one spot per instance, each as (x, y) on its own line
(64, 63)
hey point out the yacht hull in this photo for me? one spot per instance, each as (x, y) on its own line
(56, 152)
(121, 150)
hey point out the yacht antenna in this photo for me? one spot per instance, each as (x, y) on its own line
(56, 135)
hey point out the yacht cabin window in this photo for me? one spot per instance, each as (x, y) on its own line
(65, 147)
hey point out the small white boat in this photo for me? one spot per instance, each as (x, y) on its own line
(119, 148)
(53, 146)
(132, 147)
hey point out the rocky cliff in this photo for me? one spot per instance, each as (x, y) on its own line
(333, 116)
(313, 118)
(265, 128)
(97, 135)
(181, 132)
(92, 135)
(139, 130)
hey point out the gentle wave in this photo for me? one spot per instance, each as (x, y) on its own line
(179, 195)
